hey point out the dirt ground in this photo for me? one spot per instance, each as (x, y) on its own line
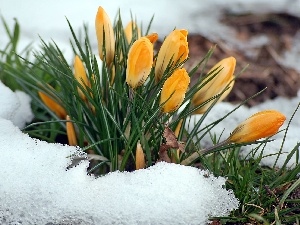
(264, 69)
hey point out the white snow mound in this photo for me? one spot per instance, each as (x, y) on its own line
(36, 188)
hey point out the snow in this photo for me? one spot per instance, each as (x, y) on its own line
(35, 186)
(15, 106)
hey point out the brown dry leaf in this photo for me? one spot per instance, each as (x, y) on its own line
(170, 137)
(215, 222)
(171, 142)
(163, 153)
(181, 146)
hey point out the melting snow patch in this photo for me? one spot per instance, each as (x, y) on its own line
(15, 106)
(36, 188)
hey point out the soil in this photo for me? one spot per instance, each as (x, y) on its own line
(264, 69)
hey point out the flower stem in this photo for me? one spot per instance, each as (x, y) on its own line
(204, 151)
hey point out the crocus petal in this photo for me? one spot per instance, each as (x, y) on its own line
(152, 37)
(216, 85)
(131, 29)
(105, 33)
(139, 157)
(53, 105)
(71, 134)
(139, 62)
(260, 125)
(173, 90)
(80, 75)
(174, 49)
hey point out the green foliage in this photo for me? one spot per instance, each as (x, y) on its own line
(14, 65)
(265, 194)
(8, 54)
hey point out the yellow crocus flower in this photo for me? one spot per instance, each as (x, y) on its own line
(53, 105)
(129, 29)
(139, 62)
(139, 157)
(263, 124)
(260, 125)
(105, 33)
(174, 49)
(80, 75)
(71, 134)
(216, 85)
(173, 90)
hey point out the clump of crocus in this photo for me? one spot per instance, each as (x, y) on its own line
(173, 50)
(260, 125)
(53, 105)
(139, 62)
(139, 157)
(105, 36)
(71, 134)
(80, 75)
(212, 86)
(130, 29)
(173, 90)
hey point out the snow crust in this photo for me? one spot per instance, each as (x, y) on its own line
(36, 188)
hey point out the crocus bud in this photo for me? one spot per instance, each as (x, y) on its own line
(131, 29)
(173, 90)
(53, 105)
(71, 134)
(174, 49)
(260, 125)
(139, 157)
(105, 36)
(216, 85)
(80, 75)
(139, 62)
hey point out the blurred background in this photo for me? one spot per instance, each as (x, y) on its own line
(260, 33)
